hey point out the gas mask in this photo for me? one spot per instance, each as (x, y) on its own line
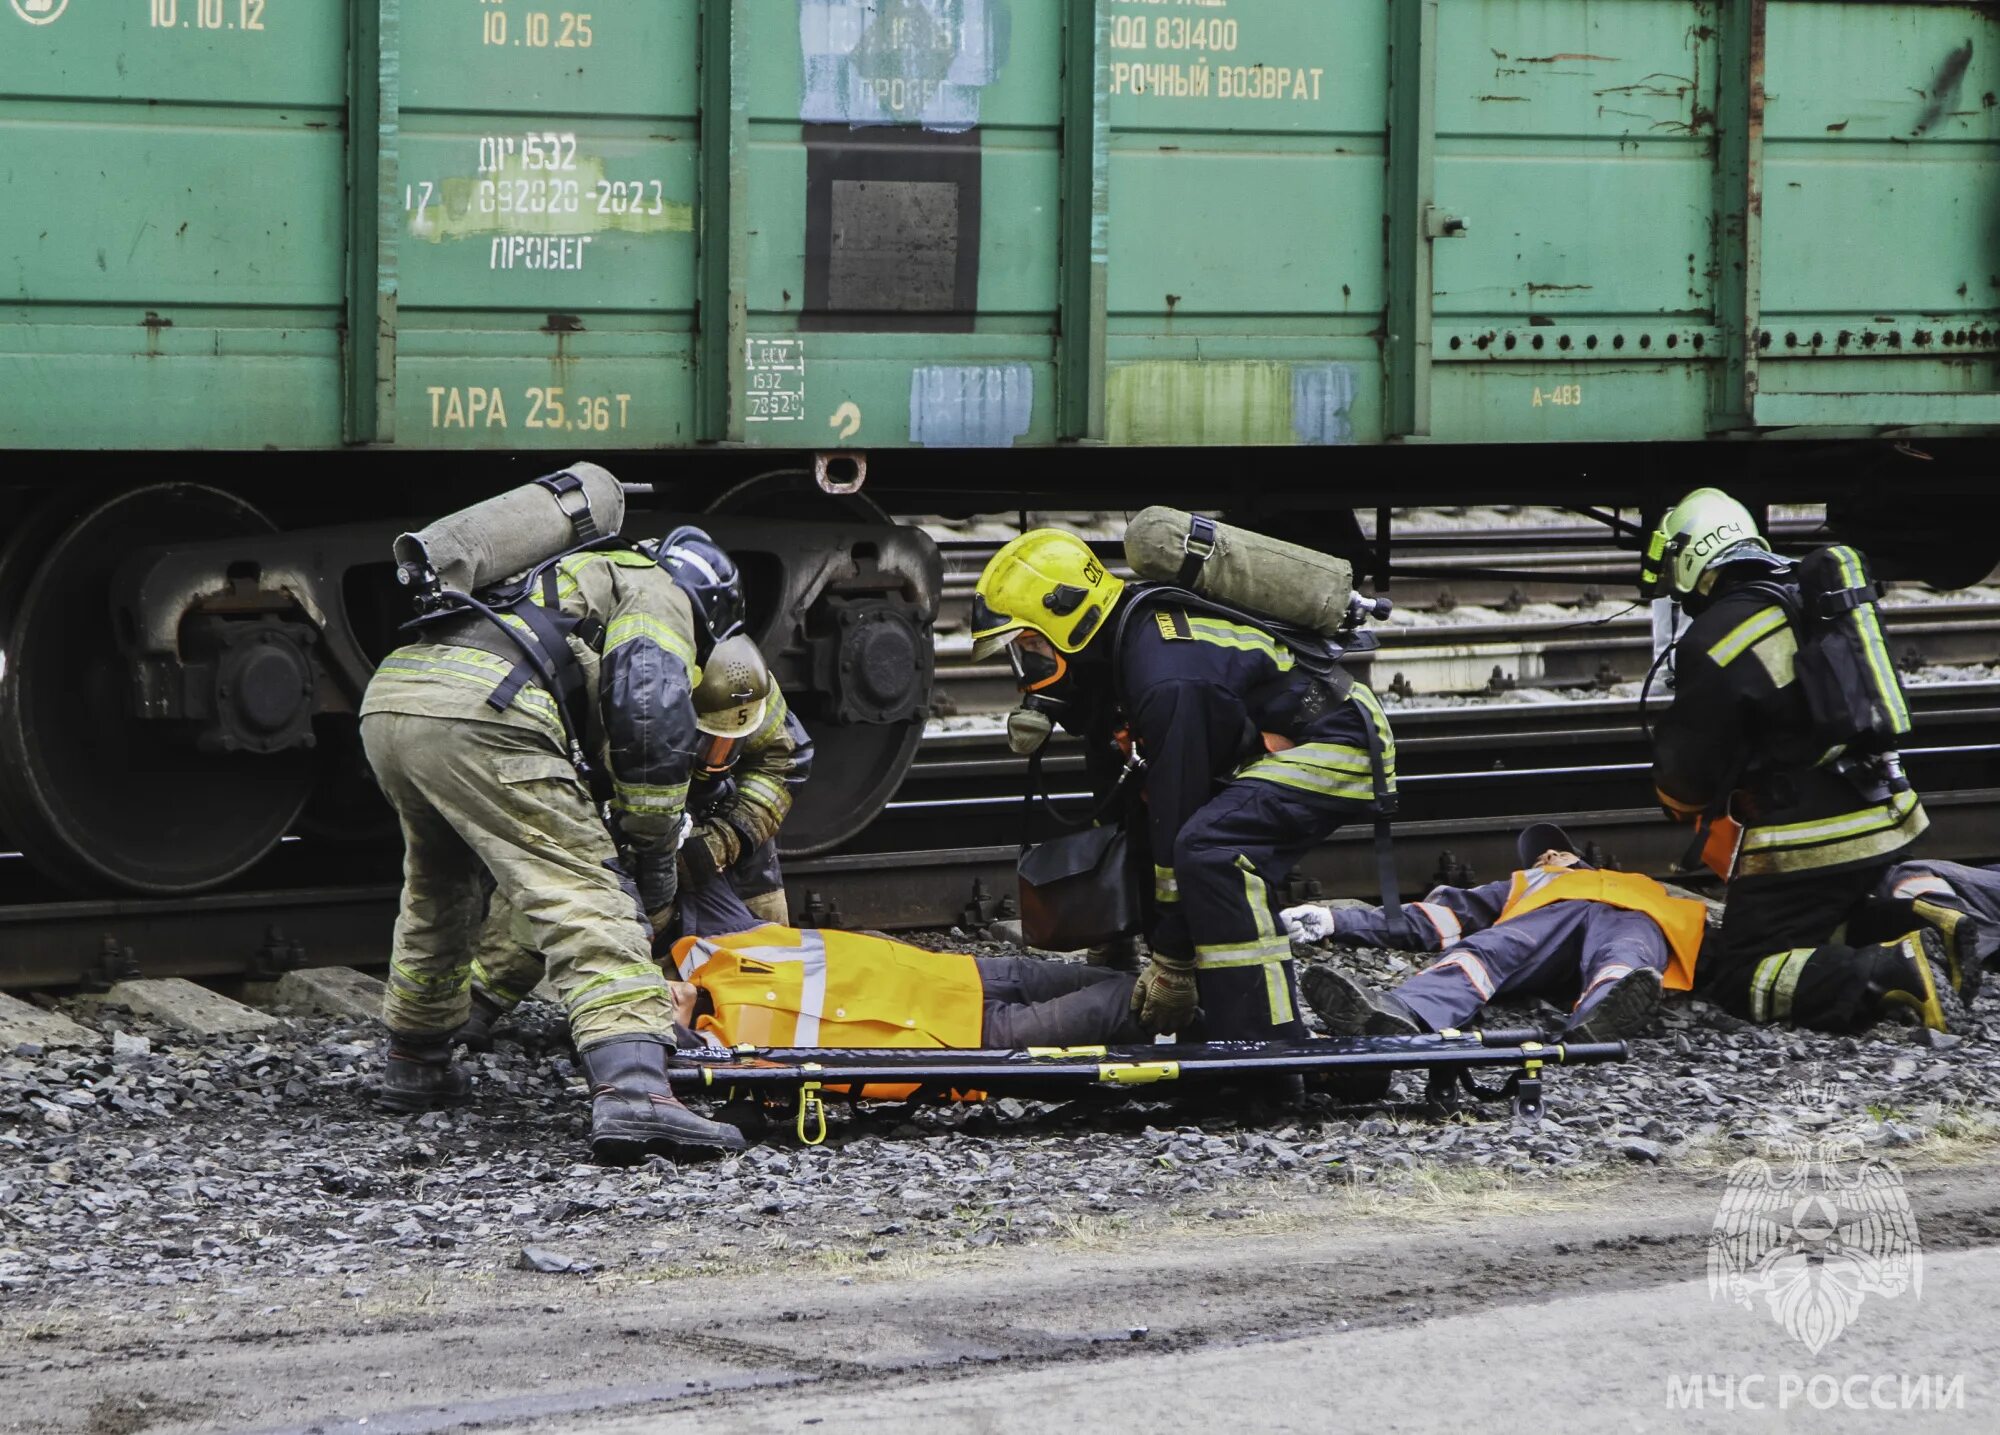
(1038, 668)
(1030, 724)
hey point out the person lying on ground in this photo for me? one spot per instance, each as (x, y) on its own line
(1556, 925)
(775, 986)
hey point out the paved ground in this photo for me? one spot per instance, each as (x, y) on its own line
(1655, 1358)
(1499, 1309)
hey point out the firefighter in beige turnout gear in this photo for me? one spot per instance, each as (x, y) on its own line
(752, 754)
(470, 749)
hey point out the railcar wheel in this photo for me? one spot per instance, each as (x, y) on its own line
(857, 767)
(96, 796)
(856, 770)
(791, 493)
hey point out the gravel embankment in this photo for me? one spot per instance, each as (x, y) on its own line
(158, 1162)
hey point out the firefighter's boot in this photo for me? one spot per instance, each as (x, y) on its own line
(1969, 942)
(1625, 1007)
(419, 1074)
(634, 1112)
(475, 1033)
(1350, 1009)
(1912, 974)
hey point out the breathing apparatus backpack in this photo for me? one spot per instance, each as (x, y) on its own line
(1303, 598)
(1843, 666)
(491, 559)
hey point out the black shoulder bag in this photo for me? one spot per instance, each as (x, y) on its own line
(1081, 888)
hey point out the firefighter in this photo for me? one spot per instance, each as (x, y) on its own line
(1557, 924)
(1800, 833)
(754, 756)
(750, 755)
(756, 753)
(481, 759)
(1250, 761)
(775, 986)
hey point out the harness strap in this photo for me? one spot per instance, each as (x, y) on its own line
(574, 503)
(546, 656)
(1385, 803)
(1197, 547)
(508, 688)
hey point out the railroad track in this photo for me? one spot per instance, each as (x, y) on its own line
(1555, 562)
(1561, 651)
(944, 851)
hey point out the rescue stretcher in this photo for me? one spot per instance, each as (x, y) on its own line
(1359, 1067)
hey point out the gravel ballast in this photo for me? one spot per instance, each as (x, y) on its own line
(157, 1161)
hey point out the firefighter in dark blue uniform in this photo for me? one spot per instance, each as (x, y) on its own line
(1801, 835)
(1250, 761)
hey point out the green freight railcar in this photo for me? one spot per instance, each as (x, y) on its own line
(1301, 253)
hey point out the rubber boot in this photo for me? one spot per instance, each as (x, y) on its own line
(1350, 1009)
(1969, 942)
(1624, 1008)
(1912, 975)
(475, 1033)
(419, 1074)
(634, 1112)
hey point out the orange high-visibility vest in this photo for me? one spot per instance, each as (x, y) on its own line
(1682, 919)
(781, 986)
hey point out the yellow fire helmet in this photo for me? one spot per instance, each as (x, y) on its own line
(1701, 532)
(1047, 581)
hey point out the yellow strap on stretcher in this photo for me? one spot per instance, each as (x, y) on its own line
(1138, 1073)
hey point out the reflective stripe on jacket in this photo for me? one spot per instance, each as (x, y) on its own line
(781, 986)
(1681, 919)
(1866, 834)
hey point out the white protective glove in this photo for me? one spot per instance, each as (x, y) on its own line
(1308, 922)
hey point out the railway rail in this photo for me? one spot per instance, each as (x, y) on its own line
(943, 850)
(943, 853)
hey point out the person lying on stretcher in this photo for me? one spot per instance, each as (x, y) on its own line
(776, 986)
(1556, 925)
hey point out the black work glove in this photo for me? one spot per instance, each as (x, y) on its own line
(659, 885)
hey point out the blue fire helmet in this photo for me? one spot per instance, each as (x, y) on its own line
(710, 578)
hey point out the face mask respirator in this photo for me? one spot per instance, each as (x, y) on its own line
(1029, 725)
(1036, 670)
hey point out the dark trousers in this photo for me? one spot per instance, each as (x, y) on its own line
(757, 872)
(1776, 959)
(1891, 909)
(1031, 1001)
(1231, 861)
(1564, 948)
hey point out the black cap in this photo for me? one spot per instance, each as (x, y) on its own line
(1539, 837)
